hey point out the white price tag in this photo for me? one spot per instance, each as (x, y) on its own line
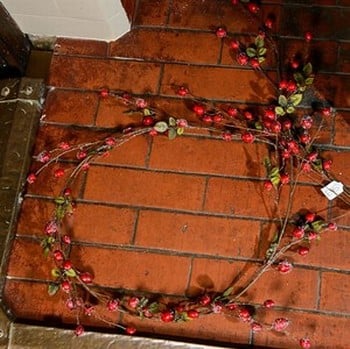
(332, 190)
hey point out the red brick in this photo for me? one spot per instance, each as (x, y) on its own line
(71, 107)
(342, 129)
(87, 73)
(322, 54)
(324, 331)
(130, 8)
(133, 152)
(144, 188)
(208, 156)
(212, 328)
(80, 47)
(340, 211)
(154, 13)
(144, 271)
(335, 292)
(220, 83)
(334, 88)
(167, 46)
(197, 234)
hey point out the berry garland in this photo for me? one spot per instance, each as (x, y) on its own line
(286, 129)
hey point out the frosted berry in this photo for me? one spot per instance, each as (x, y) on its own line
(79, 330)
(111, 141)
(256, 327)
(306, 122)
(327, 165)
(217, 307)
(81, 154)
(312, 156)
(298, 232)
(104, 93)
(140, 103)
(303, 250)
(332, 226)
(86, 278)
(244, 315)
(227, 136)
(311, 235)
(58, 255)
(284, 267)
(70, 304)
(51, 228)
(182, 91)
(133, 302)
(308, 36)
(66, 239)
(31, 178)
(182, 123)
(306, 167)
(64, 146)
(280, 324)
(43, 157)
(112, 305)
(305, 343)
(269, 303)
(268, 185)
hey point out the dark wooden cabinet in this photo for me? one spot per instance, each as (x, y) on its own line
(14, 46)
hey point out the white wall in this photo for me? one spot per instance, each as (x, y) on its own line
(90, 19)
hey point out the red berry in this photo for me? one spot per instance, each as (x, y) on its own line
(227, 136)
(59, 173)
(269, 23)
(81, 154)
(303, 250)
(312, 156)
(284, 177)
(268, 185)
(305, 343)
(64, 146)
(306, 167)
(242, 59)
(207, 119)
(67, 265)
(221, 32)
(113, 304)
(153, 132)
(326, 111)
(110, 141)
(280, 324)
(291, 86)
(283, 84)
(182, 123)
(167, 316)
(204, 300)
(66, 239)
(270, 114)
(312, 235)
(133, 302)
(130, 330)
(284, 267)
(233, 112)
(216, 308)
(285, 154)
(235, 44)
(66, 286)
(148, 120)
(276, 127)
(286, 125)
(58, 255)
(244, 315)
(104, 93)
(298, 232)
(310, 217)
(79, 330)
(31, 178)
(254, 62)
(199, 109)
(248, 115)
(305, 138)
(86, 278)
(43, 157)
(67, 192)
(306, 122)
(182, 91)
(247, 137)
(294, 64)
(140, 103)
(70, 304)
(192, 314)
(51, 228)
(308, 36)
(269, 303)
(327, 164)
(253, 8)
(217, 118)
(256, 327)
(232, 306)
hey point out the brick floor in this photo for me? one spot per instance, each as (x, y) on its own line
(176, 217)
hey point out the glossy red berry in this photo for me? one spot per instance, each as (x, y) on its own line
(242, 59)
(133, 302)
(66, 239)
(256, 327)
(51, 228)
(327, 111)
(199, 109)
(280, 324)
(311, 235)
(58, 255)
(308, 36)
(167, 316)
(182, 91)
(148, 120)
(66, 286)
(81, 154)
(310, 217)
(298, 232)
(327, 165)
(59, 173)
(268, 23)
(113, 304)
(284, 267)
(254, 62)
(244, 315)
(221, 32)
(295, 64)
(204, 300)
(268, 185)
(283, 84)
(247, 137)
(130, 330)
(312, 156)
(193, 314)
(270, 114)
(291, 86)
(31, 178)
(286, 125)
(306, 167)
(67, 192)
(86, 278)
(217, 118)
(305, 138)
(67, 265)
(284, 178)
(332, 226)
(104, 93)
(64, 146)
(207, 119)
(227, 136)
(235, 44)
(233, 112)
(253, 8)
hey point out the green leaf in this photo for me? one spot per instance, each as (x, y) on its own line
(161, 126)
(309, 81)
(259, 41)
(296, 99)
(52, 289)
(251, 52)
(172, 121)
(279, 111)
(271, 250)
(46, 251)
(261, 59)
(55, 272)
(275, 180)
(299, 78)
(180, 130)
(282, 101)
(318, 225)
(258, 125)
(290, 110)
(262, 51)
(227, 292)
(154, 307)
(274, 175)
(307, 70)
(71, 273)
(60, 200)
(147, 112)
(172, 133)
(274, 172)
